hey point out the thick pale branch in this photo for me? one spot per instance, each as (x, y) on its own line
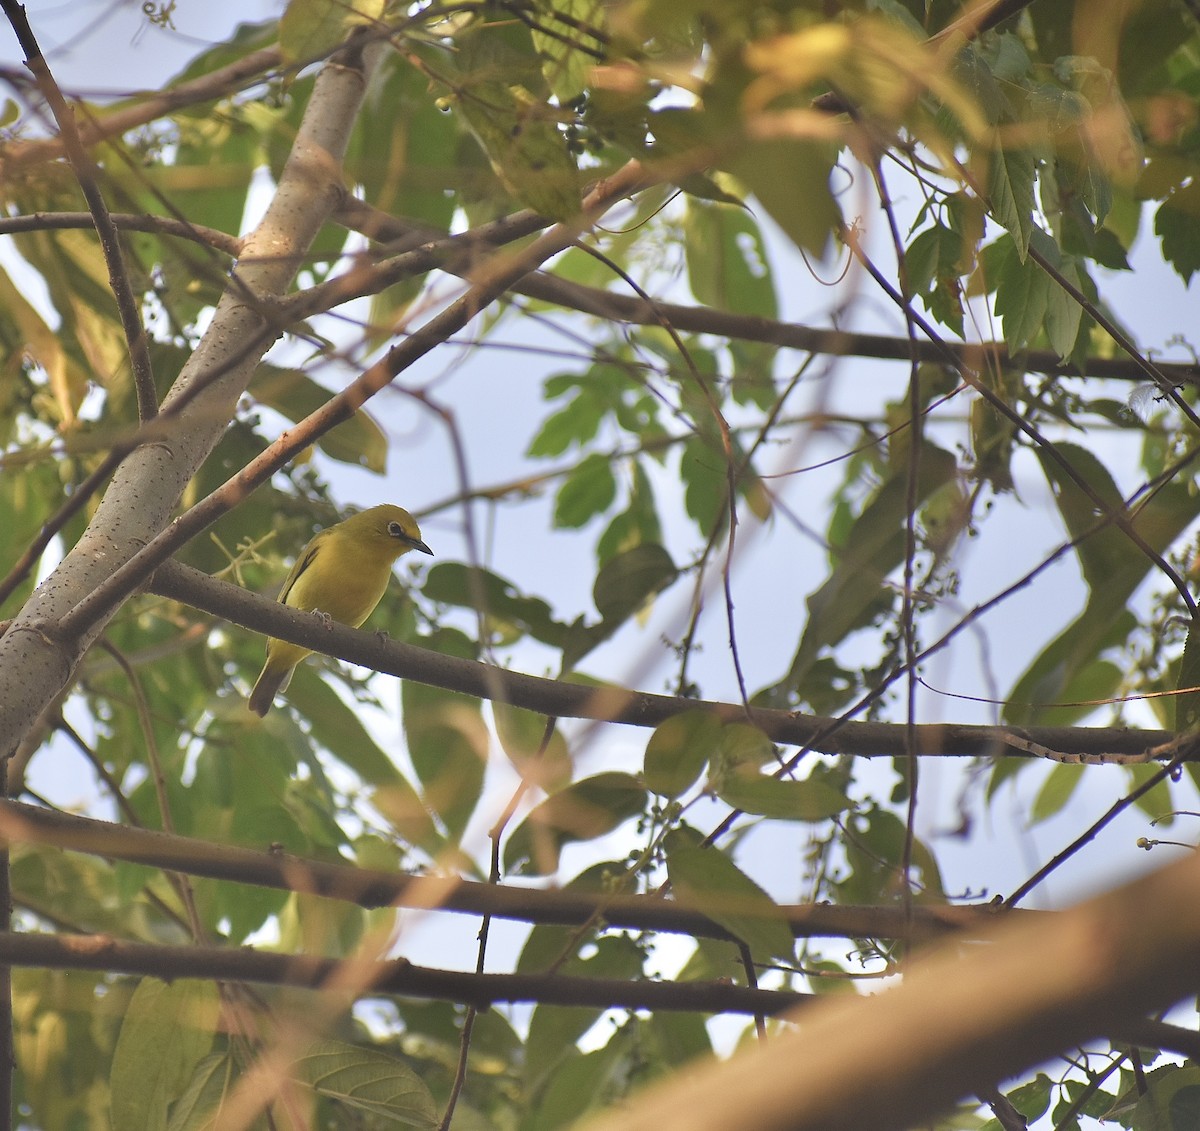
(568, 700)
(962, 1021)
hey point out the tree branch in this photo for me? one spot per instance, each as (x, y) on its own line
(372, 888)
(361, 217)
(1094, 745)
(103, 952)
(217, 84)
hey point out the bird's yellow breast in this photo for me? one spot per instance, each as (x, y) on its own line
(345, 577)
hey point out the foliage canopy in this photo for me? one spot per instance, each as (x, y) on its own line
(350, 250)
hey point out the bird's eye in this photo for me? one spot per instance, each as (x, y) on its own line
(396, 530)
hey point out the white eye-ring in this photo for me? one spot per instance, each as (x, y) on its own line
(396, 530)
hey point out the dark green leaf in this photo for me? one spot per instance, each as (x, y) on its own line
(1187, 703)
(702, 467)
(1177, 225)
(1022, 295)
(454, 583)
(625, 583)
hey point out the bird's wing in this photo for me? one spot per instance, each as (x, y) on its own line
(307, 556)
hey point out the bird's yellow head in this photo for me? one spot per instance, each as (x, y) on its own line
(390, 524)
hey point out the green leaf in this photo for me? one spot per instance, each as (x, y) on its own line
(1177, 225)
(1070, 667)
(581, 1083)
(199, 1107)
(933, 261)
(522, 734)
(479, 589)
(706, 488)
(678, 751)
(1104, 554)
(166, 1031)
(1069, 679)
(1032, 1099)
(875, 843)
(499, 93)
(554, 1029)
(368, 1081)
(1060, 785)
(358, 441)
(583, 811)
(1187, 702)
(779, 798)
(575, 35)
(407, 813)
(635, 526)
(1022, 295)
(588, 491)
(727, 259)
(210, 176)
(571, 426)
(791, 181)
(707, 878)
(874, 545)
(1171, 1102)
(336, 726)
(1010, 194)
(407, 169)
(447, 739)
(1063, 313)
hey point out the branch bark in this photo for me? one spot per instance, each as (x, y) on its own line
(1092, 745)
(371, 888)
(361, 217)
(103, 952)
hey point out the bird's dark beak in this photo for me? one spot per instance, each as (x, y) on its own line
(417, 544)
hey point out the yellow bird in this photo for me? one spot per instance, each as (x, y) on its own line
(343, 572)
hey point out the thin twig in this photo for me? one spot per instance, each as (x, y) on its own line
(1093, 830)
(912, 497)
